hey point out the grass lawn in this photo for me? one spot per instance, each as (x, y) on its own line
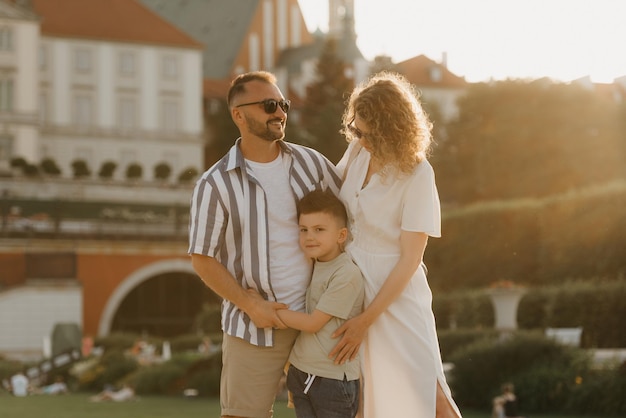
(77, 405)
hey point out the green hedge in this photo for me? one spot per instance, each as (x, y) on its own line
(549, 306)
(543, 371)
(548, 377)
(536, 242)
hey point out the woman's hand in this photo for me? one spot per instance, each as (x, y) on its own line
(353, 332)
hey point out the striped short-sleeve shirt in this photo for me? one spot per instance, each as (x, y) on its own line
(228, 221)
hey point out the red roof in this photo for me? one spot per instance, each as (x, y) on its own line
(111, 20)
(421, 70)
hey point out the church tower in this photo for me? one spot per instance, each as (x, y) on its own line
(340, 12)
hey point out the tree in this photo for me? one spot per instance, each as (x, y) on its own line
(81, 169)
(221, 129)
(515, 139)
(325, 102)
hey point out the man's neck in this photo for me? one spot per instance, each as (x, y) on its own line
(259, 150)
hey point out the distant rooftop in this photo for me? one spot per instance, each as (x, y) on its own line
(220, 25)
(109, 20)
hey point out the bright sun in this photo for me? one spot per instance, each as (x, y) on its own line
(483, 39)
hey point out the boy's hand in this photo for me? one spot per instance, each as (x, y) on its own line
(263, 312)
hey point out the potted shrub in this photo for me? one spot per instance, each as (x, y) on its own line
(505, 296)
(49, 166)
(162, 171)
(134, 171)
(18, 164)
(106, 170)
(31, 170)
(187, 175)
(81, 169)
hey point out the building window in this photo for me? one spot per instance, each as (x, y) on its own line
(6, 39)
(127, 113)
(170, 115)
(43, 108)
(6, 93)
(83, 110)
(171, 158)
(436, 74)
(82, 61)
(127, 63)
(43, 58)
(170, 66)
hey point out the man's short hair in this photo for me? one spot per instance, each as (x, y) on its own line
(238, 85)
(323, 201)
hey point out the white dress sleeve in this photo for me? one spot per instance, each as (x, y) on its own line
(421, 211)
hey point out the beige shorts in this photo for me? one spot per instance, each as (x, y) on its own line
(251, 374)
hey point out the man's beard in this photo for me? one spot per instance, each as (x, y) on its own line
(262, 130)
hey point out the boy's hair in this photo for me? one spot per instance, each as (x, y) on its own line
(323, 201)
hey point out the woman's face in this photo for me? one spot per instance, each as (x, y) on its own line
(362, 132)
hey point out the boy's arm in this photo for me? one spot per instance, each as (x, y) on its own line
(304, 321)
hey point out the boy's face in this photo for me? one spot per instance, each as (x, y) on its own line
(321, 236)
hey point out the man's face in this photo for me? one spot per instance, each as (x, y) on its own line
(256, 120)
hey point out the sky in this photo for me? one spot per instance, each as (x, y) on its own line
(493, 39)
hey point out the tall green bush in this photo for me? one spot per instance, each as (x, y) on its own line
(600, 391)
(542, 371)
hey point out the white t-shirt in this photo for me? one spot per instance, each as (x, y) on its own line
(290, 270)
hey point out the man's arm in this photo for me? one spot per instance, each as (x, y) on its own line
(303, 321)
(218, 279)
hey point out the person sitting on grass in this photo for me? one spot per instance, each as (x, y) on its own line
(505, 405)
(126, 393)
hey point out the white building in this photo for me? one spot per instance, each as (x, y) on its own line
(19, 37)
(113, 82)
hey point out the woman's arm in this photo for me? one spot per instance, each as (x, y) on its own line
(412, 246)
(304, 321)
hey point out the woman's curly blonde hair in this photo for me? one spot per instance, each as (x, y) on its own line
(399, 129)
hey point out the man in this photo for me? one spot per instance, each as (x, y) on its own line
(244, 235)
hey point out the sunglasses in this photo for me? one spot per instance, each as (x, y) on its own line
(356, 131)
(270, 105)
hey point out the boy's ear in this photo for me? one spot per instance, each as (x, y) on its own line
(343, 235)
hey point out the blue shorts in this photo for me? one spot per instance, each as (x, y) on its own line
(324, 397)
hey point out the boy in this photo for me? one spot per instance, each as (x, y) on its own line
(319, 387)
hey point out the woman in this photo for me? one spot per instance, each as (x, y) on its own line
(390, 192)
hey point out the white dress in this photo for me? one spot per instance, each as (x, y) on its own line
(400, 357)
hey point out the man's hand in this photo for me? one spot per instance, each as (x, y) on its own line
(263, 312)
(347, 348)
